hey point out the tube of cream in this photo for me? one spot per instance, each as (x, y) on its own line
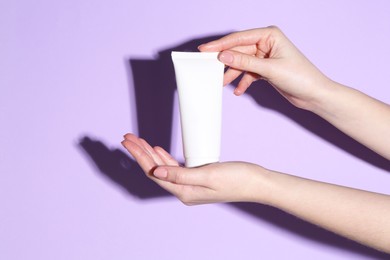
(199, 78)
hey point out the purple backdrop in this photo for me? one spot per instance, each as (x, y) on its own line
(76, 75)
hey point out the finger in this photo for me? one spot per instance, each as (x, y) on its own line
(166, 157)
(250, 49)
(156, 157)
(180, 175)
(147, 164)
(230, 75)
(133, 138)
(245, 83)
(144, 145)
(142, 157)
(244, 62)
(242, 38)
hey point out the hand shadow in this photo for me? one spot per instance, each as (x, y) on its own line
(266, 96)
(153, 82)
(119, 168)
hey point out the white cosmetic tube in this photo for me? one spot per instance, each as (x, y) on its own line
(199, 79)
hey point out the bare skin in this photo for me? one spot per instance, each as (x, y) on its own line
(266, 53)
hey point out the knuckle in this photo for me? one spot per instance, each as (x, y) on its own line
(244, 62)
(188, 203)
(240, 61)
(186, 198)
(178, 178)
(274, 28)
(237, 37)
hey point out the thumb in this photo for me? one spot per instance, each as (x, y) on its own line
(179, 175)
(245, 62)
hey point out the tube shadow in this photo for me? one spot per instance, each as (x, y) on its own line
(154, 86)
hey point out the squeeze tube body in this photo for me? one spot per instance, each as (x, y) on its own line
(199, 78)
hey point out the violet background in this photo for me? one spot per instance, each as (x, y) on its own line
(73, 76)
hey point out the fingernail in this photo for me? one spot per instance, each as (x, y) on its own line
(225, 57)
(160, 173)
(200, 46)
(237, 92)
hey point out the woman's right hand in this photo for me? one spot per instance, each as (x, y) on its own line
(268, 54)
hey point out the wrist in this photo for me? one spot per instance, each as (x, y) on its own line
(263, 186)
(276, 188)
(323, 96)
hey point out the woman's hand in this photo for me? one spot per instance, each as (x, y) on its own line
(267, 53)
(218, 182)
(359, 215)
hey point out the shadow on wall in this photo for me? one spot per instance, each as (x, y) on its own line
(154, 85)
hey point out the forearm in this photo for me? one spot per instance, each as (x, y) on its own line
(365, 119)
(359, 215)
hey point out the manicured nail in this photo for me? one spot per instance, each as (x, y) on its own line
(225, 57)
(237, 92)
(160, 173)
